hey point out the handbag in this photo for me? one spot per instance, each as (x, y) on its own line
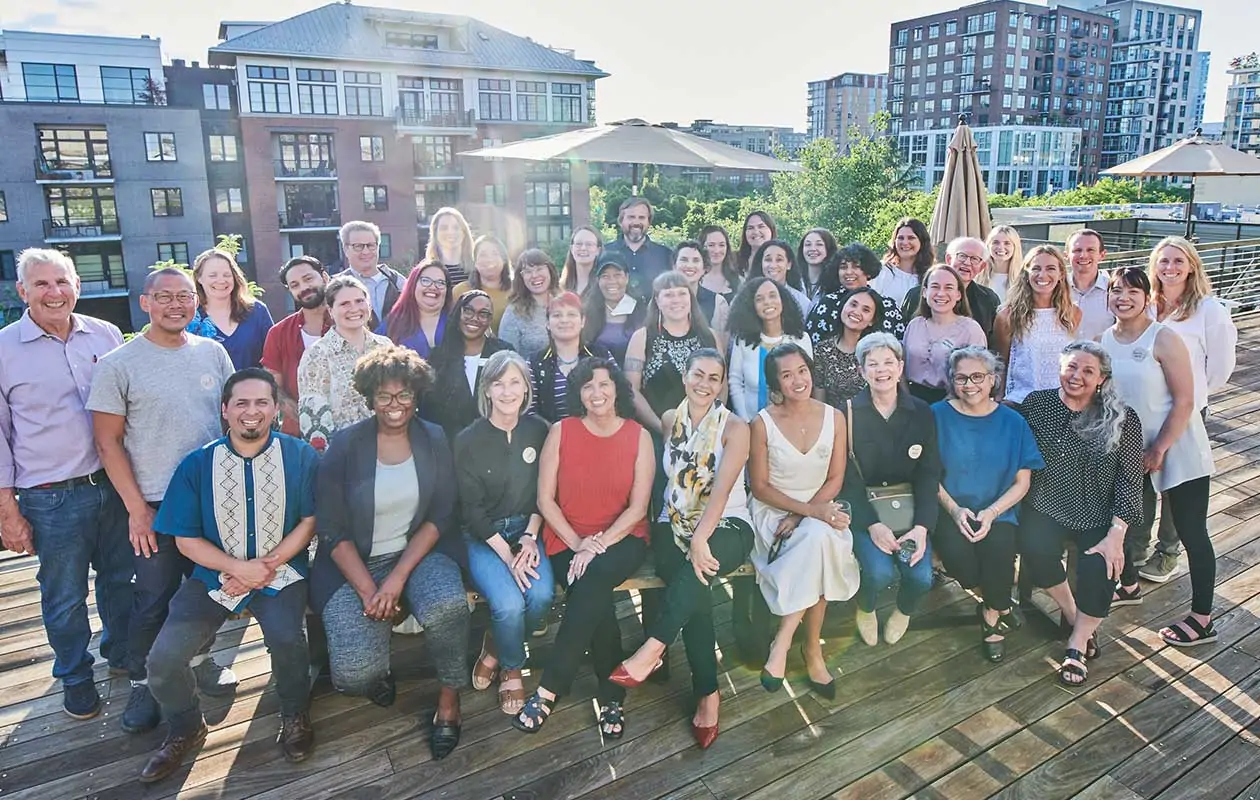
(894, 503)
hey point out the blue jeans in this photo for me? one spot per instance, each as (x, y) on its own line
(879, 570)
(513, 613)
(73, 529)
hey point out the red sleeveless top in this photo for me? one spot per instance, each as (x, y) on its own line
(594, 481)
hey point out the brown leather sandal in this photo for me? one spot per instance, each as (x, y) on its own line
(511, 692)
(487, 666)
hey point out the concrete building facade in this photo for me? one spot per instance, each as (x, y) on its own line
(843, 103)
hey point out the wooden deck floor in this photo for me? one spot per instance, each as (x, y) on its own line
(927, 718)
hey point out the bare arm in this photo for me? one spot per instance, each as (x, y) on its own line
(1174, 360)
(635, 354)
(759, 473)
(108, 431)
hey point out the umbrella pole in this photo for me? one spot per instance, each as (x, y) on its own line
(1190, 210)
(634, 178)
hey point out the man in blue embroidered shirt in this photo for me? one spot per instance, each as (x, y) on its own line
(242, 509)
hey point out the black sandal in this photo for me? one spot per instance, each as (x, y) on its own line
(443, 738)
(537, 709)
(611, 715)
(1073, 666)
(1176, 634)
(1093, 648)
(994, 651)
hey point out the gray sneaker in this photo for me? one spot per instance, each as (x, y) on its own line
(214, 680)
(1159, 568)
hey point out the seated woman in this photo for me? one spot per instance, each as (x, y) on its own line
(564, 350)
(987, 458)
(418, 318)
(386, 519)
(457, 363)
(764, 316)
(892, 446)
(803, 551)
(835, 356)
(525, 320)
(1089, 493)
(612, 315)
(857, 266)
(941, 324)
(594, 483)
(496, 468)
(776, 261)
(704, 532)
(692, 260)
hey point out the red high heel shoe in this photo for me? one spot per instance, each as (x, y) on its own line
(704, 736)
(625, 680)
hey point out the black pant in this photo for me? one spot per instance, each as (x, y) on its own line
(688, 604)
(590, 618)
(1041, 544)
(157, 579)
(988, 563)
(1138, 537)
(1187, 506)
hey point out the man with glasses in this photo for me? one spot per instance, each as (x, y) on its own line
(55, 500)
(153, 401)
(361, 243)
(967, 256)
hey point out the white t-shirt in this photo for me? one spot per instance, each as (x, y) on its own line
(309, 339)
(894, 283)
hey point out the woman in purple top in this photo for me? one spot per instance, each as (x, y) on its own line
(226, 309)
(418, 319)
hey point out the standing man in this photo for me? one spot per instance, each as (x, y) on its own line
(1089, 284)
(288, 339)
(645, 258)
(361, 243)
(65, 510)
(968, 256)
(242, 509)
(154, 400)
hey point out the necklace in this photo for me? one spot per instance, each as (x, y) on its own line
(568, 362)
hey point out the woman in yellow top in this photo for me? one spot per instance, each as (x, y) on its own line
(491, 273)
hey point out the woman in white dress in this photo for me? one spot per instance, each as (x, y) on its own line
(1034, 325)
(803, 551)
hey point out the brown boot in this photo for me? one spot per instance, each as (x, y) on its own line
(297, 738)
(167, 759)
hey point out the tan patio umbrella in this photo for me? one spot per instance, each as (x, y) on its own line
(1192, 156)
(962, 207)
(635, 142)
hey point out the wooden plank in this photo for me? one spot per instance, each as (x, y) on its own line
(1232, 769)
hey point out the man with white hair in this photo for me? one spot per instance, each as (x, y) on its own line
(968, 257)
(361, 243)
(56, 501)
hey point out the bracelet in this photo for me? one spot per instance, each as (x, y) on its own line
(531, 535)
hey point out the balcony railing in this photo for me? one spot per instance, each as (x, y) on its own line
(289, 168)
(46, 170)
(297, 218)
(451, 169)
(1233, 266)
(419, 118)
(57, 229)
(1078, 32)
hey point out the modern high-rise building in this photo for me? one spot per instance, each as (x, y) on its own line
(1242, 105)
(96, 164)
(843, 103)
(1037, 159)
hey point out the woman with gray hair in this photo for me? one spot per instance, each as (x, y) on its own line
(1089, 493)
(987, 458)
(496, 469)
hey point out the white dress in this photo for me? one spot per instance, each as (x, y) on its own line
(1035, 356)
(817, 559)
(1141, 384)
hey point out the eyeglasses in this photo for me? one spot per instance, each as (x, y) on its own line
(166, 298)
(976, 377)
(968, 258)
(432, 283)
(468, 312)
(402, 398)
(359, 247)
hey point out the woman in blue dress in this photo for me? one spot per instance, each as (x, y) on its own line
(226, 309)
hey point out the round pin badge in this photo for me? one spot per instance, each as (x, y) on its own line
(207, 382)
(915, 451)
(1139, 354)
(529, 455)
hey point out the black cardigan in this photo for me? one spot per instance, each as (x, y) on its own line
(345, 502)
(544, 368)
(450, 403)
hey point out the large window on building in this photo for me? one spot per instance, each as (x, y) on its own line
(371, 148)
(223, 147)
(216, 96)
(548, 212)
(173, 251)
(566, 102)
(317, 91)
(531, 101)
(167, 202)
(414, 41)
(268, 90)
(77, 206)
(98, 262)
(433, 155)
(159, 147)
(363, 94)
(4, 209)
(494, 99)
(446, 97)
(8, 265)
(432, 196)
(51, 83)
(228, 200)
(66, 151)
(375, 198)
(306, 155)
(127, 85)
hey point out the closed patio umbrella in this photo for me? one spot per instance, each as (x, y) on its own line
(962, 206)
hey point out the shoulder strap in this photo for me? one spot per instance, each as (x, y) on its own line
(849, 423)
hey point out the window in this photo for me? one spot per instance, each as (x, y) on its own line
(82, 206)
(167, 202)
(269, 90)
(216, 96)
(988, 41)
(4, 209)
(496, 194)
(494, 99)
(223, 148)
(987, 62)
(8, 266)
(363, 94)
(126, 85)
(306, 155)
(434, 196)
(916, 53)
(371, 148)
(415, 41)
(432, 155)
(934, 30)
(531, 101)
(385, 248)
(918, 34)
(228, 201)
(951, 27)
(317, 92)
(915, 71)
(902, 36)
(74, 150)
(931, 69)
(932, 51)
(173, 251)
(159, 147)
(951, 47)
(566, 102)
(54, 83)
(375, 198)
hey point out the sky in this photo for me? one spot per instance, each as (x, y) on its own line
(733, 61)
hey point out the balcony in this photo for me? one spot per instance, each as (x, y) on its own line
(1078, 32)
(76, 171)
(979, 87)
(412, 119)
(451, 170)
(1077, 50)
(1076, 71)
(101, 230)
(297, 219)
(1073, 109)
(302, 170)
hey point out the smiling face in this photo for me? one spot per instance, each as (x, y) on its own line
(973, 382)
(306, 285)
(795, 379)
(814, 249)
(584, 248)
(250, 410)
(1001, 247)
(475, 316)
(507, 393)
(537, 279)
(612, 284)
(489, 263)
(858, 313)
(1086, 252)
(1126, 302)
(906, 243)
(775, 262)
(1080, 375)
(691, 264)
(431, 289)
(756, 231)
(967, 260)
(599, 395)
(767, 303)
(394, 404)
(216, 279)
(361, 250)
(703, 381)
(1172, 267)
(50, 291)
(715, 244)
(350, 309)
(852, 276)
(674, 304)
(449, 233)
(1044, 274)
(942, 291)
(170, 303)
(634, 223)
(564, 323)
(882, 370)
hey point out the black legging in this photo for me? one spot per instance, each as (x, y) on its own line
(1187, 505)
(1041, 543)
(687, 605)
(988, 563)
(590, 618)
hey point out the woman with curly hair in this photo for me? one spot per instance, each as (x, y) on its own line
(226, 310)
(525, 320)
(389, 539)
(776, 261)
(764, 317)
(908, 256)
(1036, 323)
(856, 266)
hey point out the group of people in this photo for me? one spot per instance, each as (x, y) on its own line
(840, 420)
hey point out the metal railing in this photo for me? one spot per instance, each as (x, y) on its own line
(296, 218)
(70, 171)
(57, 229)
(1233, 267)
(427, 118)
(289, 168)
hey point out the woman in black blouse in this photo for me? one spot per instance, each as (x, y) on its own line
(565, 348)
(1089, 493)
(857, 265)
(457, 361)
(496, 468)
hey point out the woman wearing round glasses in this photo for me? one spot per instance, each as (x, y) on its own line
(418, 319)
(457, 363)
(525, 320)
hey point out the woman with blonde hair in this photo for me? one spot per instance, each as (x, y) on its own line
(227, 311)
(451, 244)
(492, 274)
(585, 247)
(1037, 321)
(1006, 253)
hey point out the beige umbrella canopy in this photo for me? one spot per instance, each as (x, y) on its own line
(1192, 156)
(962, 206)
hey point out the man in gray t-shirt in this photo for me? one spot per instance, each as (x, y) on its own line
(153, 401)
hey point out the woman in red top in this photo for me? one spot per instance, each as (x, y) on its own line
(594, 482)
